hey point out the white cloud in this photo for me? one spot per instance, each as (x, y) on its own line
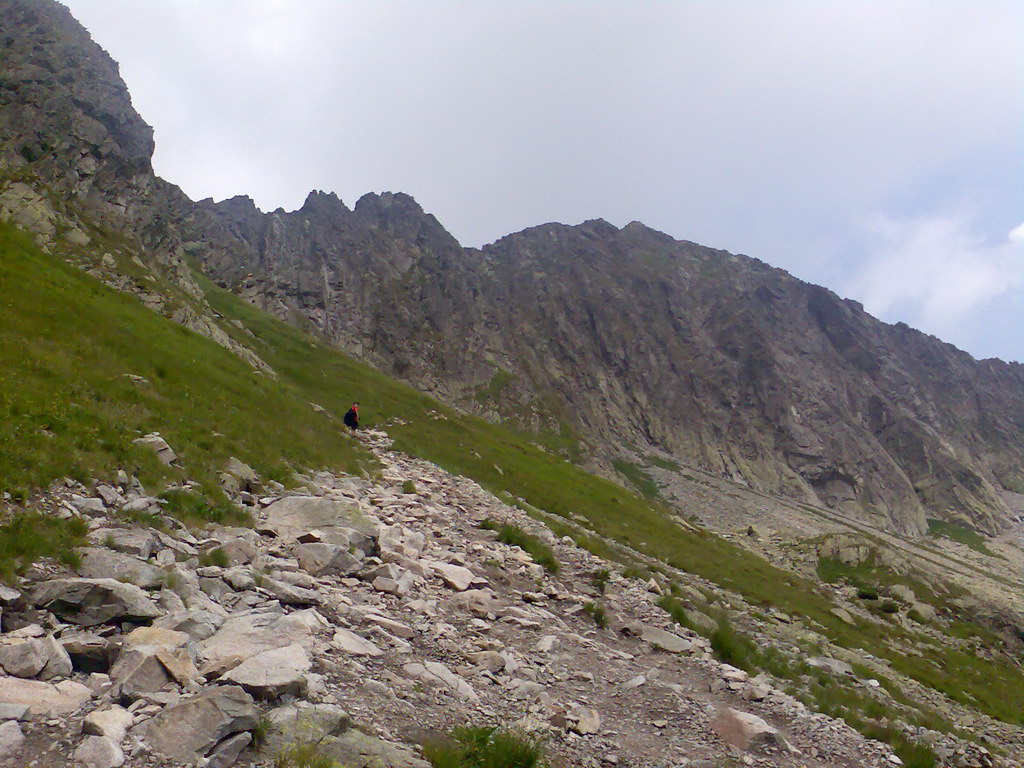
(935, 272)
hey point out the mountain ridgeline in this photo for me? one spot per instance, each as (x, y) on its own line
(620, 337)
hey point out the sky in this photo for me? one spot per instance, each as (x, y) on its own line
(872, 146)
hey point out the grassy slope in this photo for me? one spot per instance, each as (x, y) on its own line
(66, 408)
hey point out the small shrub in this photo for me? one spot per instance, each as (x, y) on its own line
(515, 536)
(192, 507)
(408, 487)
(303, 755)
(597, 612)
(889, 606)
(674, 609)
(600, 580)
(216, 557)
(260, 732)
(867, 593)
(484, 747)
(733, 648)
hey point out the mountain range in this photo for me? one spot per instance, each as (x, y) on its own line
(609, 339)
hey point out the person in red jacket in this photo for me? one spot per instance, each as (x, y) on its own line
(352, 417)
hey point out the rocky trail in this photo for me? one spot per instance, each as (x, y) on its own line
(364, 616)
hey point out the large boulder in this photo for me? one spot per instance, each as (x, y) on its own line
(246, 634)
(94, 601)
(44, 699)
(320, 559)
(273, 673)
(337, 522)
(100, 563)
(152, 658)
(746, 731)
(189, 731)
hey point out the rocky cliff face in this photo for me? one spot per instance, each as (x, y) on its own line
(632, 337)
(624, 336)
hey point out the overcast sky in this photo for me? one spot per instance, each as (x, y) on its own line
(876, 148)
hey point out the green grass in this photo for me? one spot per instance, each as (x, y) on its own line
(484, 747)
(657, 461)
(597, 612)
(68, 408)
(28, 536)
(960, 533)
(639, 479)
(675, 610)
(515, 536)
(492, 391)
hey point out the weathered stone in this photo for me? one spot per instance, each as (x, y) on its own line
(112, 723)
(287, 594)
(457, 577)
(835, 666)
(88, 651)
(226, 753)
(393, 627)
(666, 641)
(25, 658)
(94, 601)
(131, 541)
(107, 564)
(248, 633)
(188, 731)
(99, 752)
(14, 711)
(44, 699)
(438, 673)
(321, 559)
(274, 673)
(744, 730)
(357, 748)
(198, 625)
(158, 445)
(546, 644)
(11, 738)
(349, 642)
(340, 523)
(58, 662)
(586, 721)
(152, 658)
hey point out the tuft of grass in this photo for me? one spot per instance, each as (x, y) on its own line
(732, 647)
(408, 487)
(960, 533)
(515, 536)
(261, 732)
(675, 610)
(657, 461)
(484, 747)
(304, 755)
(199, 508)
(216, 557)
(600, 580)
(867, 593)
(28, 536)
(597, 612)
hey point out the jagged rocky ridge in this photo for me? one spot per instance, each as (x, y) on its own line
(624, 336)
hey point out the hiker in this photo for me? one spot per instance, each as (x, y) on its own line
(352, 417)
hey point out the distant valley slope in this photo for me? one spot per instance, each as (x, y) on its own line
(622, 337)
